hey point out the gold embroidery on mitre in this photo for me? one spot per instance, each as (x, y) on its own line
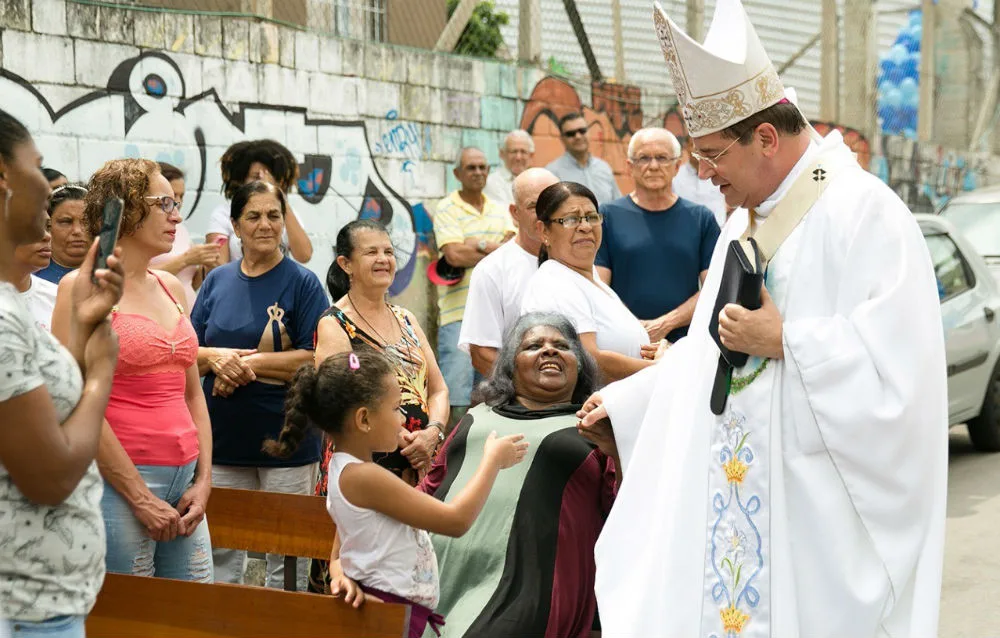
(706, 114)
(769, 89)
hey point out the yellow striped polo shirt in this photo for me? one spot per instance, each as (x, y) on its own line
(454, 222)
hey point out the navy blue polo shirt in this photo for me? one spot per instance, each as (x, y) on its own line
(655, 257)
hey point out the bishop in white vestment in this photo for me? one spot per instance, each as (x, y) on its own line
(814, 505)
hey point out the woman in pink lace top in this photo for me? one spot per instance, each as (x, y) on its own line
(156, 449)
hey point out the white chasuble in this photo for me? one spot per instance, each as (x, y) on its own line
(814, 505)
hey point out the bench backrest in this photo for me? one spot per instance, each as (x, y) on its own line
(270, 523)
(161, 608)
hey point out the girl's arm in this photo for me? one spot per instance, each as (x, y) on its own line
(298, 242)
(371, 486)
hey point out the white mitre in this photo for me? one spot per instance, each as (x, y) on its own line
(725, 80)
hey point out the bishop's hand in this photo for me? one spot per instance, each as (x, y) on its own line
(755, 332)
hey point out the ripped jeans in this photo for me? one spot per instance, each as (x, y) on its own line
(132, 551)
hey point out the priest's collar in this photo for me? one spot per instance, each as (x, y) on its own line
(830, 141)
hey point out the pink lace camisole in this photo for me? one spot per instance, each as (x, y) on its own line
(147, 410)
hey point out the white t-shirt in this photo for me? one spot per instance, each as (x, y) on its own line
(51, 558)
(688, 185)
(379, 551)
(590, 306)
(495, 291)
(500, 187)
(220, 223)
(40, 299)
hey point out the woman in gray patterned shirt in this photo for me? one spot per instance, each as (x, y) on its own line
(51, 533)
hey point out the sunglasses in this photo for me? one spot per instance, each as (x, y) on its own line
(575, 132)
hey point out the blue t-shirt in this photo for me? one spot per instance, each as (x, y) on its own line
(53, 272)
(273, 312)
(656, 257)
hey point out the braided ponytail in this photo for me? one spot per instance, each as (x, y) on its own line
(300, 410)
(326, 396)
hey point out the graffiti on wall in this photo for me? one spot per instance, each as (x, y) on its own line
(145, 112)
(616, 113)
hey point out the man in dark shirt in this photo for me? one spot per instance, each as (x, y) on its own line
(656, 246)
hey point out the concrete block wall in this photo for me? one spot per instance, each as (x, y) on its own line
(94, 83)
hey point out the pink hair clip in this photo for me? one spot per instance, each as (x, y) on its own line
(352, 362)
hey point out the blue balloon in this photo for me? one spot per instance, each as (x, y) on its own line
(893, 98)
(910, 68)
(908, 117)
(917, 32)
(912, 44)
(898, 53)
(916, 18)
(910, 134)
(910, 89)
(883, 87)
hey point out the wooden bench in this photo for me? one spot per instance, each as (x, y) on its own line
(294, 525)
(288, 524)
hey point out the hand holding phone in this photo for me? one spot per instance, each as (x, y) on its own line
(111, 221)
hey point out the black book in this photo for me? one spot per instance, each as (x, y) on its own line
(742, 278)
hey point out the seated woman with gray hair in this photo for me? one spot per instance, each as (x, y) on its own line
(526, 568)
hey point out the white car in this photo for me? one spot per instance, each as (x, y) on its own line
(970, 302)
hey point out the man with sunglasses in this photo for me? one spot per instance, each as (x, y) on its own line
(803, 491)
(578, 165)
(653, 230)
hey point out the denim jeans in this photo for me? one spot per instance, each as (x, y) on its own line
(132, 551)
(231, 564)
(456, 365)
(58, 627)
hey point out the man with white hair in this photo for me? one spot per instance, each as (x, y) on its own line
(498, 282)
(517, 150)
(652, 232)
(786, 463)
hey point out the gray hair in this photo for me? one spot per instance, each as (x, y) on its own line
(644, 134)
(499, 388)
(519, 134)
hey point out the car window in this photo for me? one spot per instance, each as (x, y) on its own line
(979, 223)
(953, 274)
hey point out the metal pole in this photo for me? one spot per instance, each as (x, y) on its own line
(456, 25)
(529, 37)
(696, 19)
(616, 24)
(925, 112)
(829, 88)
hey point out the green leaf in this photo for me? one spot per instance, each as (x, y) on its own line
(725, 562)
(736, 583)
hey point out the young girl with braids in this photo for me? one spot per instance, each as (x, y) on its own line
(382, 522)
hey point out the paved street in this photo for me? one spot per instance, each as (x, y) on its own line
(971, 588)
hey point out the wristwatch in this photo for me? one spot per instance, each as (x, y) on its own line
(481, 246)
(440, 427)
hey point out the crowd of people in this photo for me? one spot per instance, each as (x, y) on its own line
(481, 482)
(185, 365)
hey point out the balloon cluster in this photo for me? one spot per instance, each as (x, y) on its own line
(899, 81)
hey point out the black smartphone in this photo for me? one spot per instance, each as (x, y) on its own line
(111, 221)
